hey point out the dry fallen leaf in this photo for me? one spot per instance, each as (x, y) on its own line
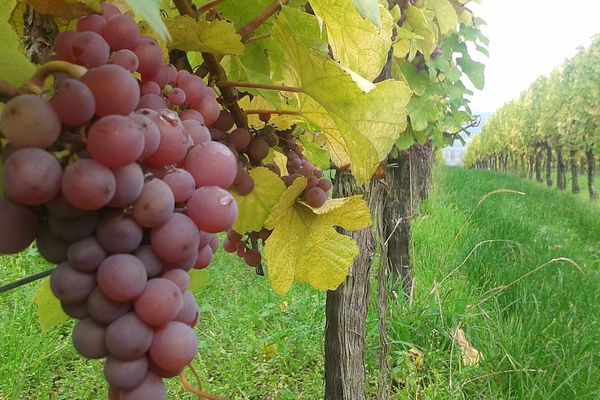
(470, 355)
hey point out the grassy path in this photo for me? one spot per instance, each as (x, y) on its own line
(539, 336)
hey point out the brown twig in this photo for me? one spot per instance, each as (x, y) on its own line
(276, 112)
(226, 84)
(209, 6)
(246, 30)
(254, 39)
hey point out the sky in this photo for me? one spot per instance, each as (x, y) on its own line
(529, 38)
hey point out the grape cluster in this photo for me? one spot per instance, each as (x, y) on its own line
(246, 245)
(119, 183)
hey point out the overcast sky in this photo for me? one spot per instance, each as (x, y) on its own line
(529, 38)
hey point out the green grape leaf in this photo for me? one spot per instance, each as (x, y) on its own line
(445, 14)
(68, 9)
(422, 110)
(15, 68)
(356, 43)
(307, 29)
(360, 120)
(316, 155)
(254, 208)
(217, 37)
(253, 66)
(305, 247)
(199, 278)
(405, 141)
(369, 9)
(418, 81)
(50, 313)
(149, 11)
(240, 12)
(474, 70)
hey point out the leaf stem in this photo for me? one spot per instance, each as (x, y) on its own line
(209, 6)
(276, 112)
(225, 84)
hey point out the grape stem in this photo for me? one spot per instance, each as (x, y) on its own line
(276, 112)
(36, 83)
(225, 84)
(259, 268)
(209, 6)
(200, 394)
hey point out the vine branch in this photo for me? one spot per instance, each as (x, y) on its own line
(209, 6)
(276, 112)
(246, 30)
(226, 84)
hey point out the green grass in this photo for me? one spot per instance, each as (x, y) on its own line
(539, 337)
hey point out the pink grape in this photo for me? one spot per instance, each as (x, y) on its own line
(176, 240)
(31, 176)
(152, 101)
(115, 90)
(88, 339)
(121, 277)
(115, 141)
(29, 121)
(149, 130)
(128, 338)
(173, 145)
(197, 130)
(155, 205)
(18, 229)
(121, 32)
(212, 209)
(150, 56)
(159, 303)
(93, 23)
(174, 345)
(129, 184)
(150, 88)
(63, 44)
(88, 185)
(181, 183)
(73, 102)
(90, 49)
(126, 59)
(211, 164)
(69, 285)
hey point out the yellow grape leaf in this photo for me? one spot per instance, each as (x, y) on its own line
(15, 68)
(254, 208)
(305, 247)
(68, 9)
(419, 21)
(445, 14)
(280, 160)
(149, 11)
(356, 42)
(360, 120)
(198, 279)
(217, 37)
(50, 313)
